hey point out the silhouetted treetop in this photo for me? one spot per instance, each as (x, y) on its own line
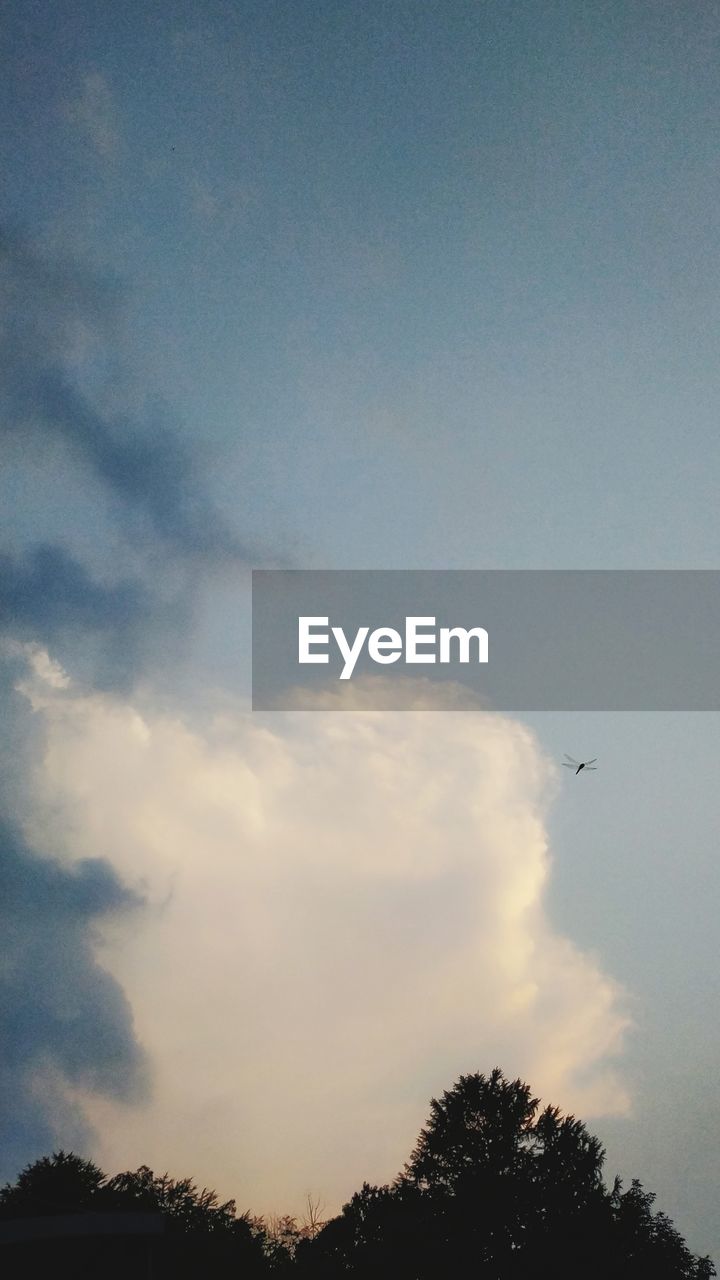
(496, 1187)
(56, 1184)
(486, 1126)
(178, 1199)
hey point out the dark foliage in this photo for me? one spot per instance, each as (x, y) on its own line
(62, 1183)
(200, 1235)
(496, 1188)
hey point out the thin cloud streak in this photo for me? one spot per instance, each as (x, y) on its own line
(151, 472)
(94, 113)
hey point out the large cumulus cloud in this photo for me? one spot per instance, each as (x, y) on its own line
(348, 911)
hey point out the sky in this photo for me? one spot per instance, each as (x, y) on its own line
(308, 284)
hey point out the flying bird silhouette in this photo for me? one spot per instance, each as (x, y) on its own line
(577, 765)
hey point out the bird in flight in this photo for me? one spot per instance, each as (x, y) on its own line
(577, 765)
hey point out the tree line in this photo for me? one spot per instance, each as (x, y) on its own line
(496, 1187)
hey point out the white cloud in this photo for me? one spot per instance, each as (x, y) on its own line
(346, 913)
(94, 113)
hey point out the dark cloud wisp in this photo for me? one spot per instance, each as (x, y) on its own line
(153, 473)
(121, 628)
(47, 591)
(63, 1019)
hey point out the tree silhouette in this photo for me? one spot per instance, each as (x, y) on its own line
(648, 1243)
(201, 1235)
(178, 1200)
(498, 1188)
(56, 1184)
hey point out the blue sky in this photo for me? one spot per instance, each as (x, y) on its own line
(381, 286)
